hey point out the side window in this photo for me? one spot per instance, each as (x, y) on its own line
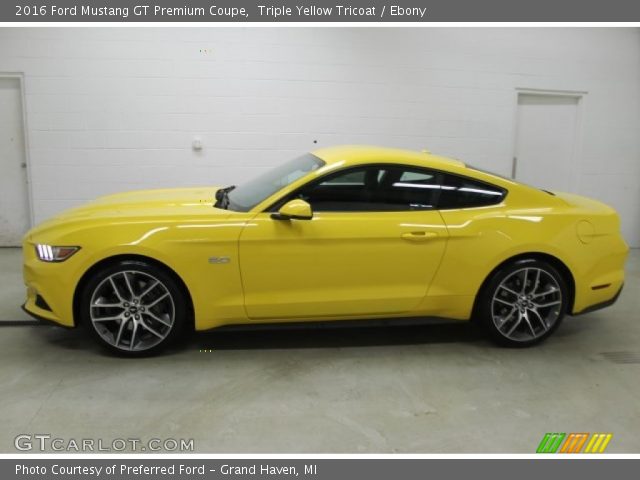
(402, 188)
(349, 191)
(460, 192)
(415, 177)
(355, 177)
(374, 189)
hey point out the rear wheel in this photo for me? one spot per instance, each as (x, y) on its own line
(523, 303)
(134, 308)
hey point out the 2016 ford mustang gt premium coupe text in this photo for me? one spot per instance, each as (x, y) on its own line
(342, 233)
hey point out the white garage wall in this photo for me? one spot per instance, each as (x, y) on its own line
(114, 109)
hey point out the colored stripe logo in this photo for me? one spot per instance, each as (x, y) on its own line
(598, 443)
(574, 443)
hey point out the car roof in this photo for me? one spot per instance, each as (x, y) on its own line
(357, 154)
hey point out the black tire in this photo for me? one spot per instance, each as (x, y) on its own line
(532, 322)
(112, 285)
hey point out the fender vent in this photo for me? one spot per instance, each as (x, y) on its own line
(623, 358)
(41, 303)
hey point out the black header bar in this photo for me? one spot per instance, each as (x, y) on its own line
(282, 11)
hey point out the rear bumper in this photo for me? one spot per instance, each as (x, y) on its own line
(598, 270)
(601, 305)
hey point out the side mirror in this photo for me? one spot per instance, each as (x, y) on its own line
(294, 210)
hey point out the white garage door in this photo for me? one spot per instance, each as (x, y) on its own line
(545, 141)
(14, 207)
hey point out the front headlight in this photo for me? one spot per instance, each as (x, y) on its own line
(49, 253)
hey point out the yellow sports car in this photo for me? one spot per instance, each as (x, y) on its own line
(342, 233)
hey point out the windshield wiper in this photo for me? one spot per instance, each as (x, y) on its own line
(222, 197)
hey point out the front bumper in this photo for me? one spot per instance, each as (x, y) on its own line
(50, 287)
(42, 319)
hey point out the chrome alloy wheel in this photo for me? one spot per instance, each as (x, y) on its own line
(132, 310)
(526, 304)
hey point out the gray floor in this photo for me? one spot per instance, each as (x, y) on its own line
(425, 389)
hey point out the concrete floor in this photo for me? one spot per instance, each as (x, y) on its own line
(424, 389)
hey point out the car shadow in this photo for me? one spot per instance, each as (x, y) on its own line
(301, 337)
(280, 336)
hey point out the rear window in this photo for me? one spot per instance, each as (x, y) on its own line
(462, 192)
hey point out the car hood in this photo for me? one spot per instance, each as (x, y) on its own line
(155, 202)
(141, 205)
(168, 197)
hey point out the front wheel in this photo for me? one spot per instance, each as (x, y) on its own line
(133, 308)
(523, 303)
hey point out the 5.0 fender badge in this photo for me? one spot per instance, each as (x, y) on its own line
(218, 260)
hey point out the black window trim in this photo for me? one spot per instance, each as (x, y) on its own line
(275, 206)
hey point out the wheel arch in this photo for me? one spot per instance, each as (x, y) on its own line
(77, 294)
(562, 268)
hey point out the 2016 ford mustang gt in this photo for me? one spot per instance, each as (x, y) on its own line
(342, 233)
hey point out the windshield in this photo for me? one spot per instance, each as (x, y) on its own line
(246, 196)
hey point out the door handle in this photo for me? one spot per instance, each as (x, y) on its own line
(418, 236)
